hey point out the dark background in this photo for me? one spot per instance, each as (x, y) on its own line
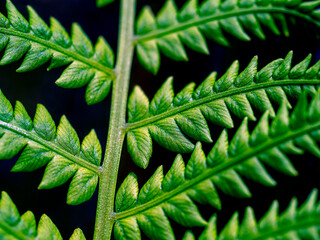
(38, 87)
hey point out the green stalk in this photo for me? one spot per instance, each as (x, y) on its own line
(109, 172)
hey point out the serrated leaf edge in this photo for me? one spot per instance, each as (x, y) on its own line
(226, 165)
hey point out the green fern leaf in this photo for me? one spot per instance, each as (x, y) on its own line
(293, 223)
(44, 144)
(188, 236)
(77, 235)
(37, 43)
(174, 195)
(170, 29)
(16, 226)
(169, 119)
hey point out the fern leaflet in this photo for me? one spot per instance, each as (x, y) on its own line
(173, 195)
(167, 119)
(15, 226)
(43, 144)
(293, 223)
(170, 28)
(37, 44)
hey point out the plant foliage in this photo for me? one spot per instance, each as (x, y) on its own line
(37, 43)
(293, 223)
(45, 144)
(178, 122)
(169, 119)
(24, 227)
(170, 28)
(172, 195)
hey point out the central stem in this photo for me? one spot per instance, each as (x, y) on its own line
(109, 173)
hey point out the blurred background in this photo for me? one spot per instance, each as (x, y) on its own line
(38, 86)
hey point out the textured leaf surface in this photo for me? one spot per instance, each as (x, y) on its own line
(174, 195)
(293, 223)
(153, 222)
(42, 143)
(16, 226)
(36, 44)
(171, 120)
(171, 29)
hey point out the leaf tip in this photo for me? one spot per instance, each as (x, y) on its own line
(9, 3)
(41, 186)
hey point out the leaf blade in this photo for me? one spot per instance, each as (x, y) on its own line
(172, 120)
(241, 150)
(210, 18)
(36, 43)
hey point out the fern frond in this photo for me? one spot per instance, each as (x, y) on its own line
(168, 118)
(293, 223)
(15, 226)
(171, 28)
(174, 194)
(37, 43)
(43, 144)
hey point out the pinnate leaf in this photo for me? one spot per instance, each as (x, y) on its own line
(37, 43)
(16, 226)
(171, 120)
(42, 143)
(292, 223)
(171, 29)
(175, 194)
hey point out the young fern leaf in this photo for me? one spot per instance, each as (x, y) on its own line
(168, 118)
(293, 223)
(173, 195)
(15, 226)
(44, 144)
(171, 28)
(37, 43)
